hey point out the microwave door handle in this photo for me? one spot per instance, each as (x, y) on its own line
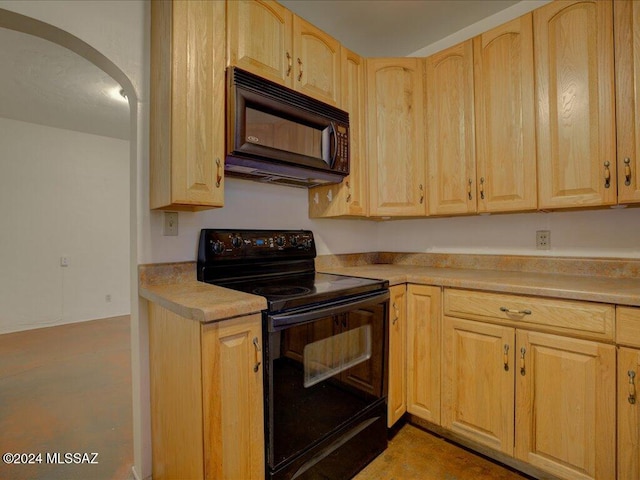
(333, 133)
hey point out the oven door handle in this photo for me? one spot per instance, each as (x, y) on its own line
(308, 314)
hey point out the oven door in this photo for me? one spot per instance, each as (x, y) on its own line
(325, 376)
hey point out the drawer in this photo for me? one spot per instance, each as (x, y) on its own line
(583, 319)
(628, 326)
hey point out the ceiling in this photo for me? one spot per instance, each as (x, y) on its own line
(44, 83)
(393, 28)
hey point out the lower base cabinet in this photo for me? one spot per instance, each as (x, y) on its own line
(397, 390)
(546, 399)
(206, 397)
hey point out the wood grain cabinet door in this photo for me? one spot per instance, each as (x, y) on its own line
(628, 417)
(478, 382)
(259, 39)
(573, 47)
(505, 117)
(627, 45)
(451, 160)
(395, 126)
(424, 344)
(397, 392)
(565, 407)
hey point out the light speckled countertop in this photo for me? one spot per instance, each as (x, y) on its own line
(174, 286)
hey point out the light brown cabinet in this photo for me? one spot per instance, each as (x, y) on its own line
(395, 132)
(424, 346)
(350, 197)
(574, 75)
(187, 112)
(627, 57)
(397, 391)
(546, 399)
(206, 397)
(451, 158)
(505, 118)
(265, 38)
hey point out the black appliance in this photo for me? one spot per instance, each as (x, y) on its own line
(325, 351)
(278, 135)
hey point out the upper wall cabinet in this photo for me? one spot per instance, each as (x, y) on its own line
(451, 161)
(573, 47)
(627, 45)
(265, 38)
(505, 117)
(350, 197)
(186, 152)
(395, 137)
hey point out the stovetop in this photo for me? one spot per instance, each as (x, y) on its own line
(276, 264)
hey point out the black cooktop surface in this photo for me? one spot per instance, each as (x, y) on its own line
(291, 291)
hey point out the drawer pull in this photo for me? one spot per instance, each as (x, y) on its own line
(258, 356)
(506, 357)
(627, 171)
(523, 371)
(632, 387)
(607, 174)
(516, 312)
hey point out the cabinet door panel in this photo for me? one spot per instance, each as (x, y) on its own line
(565, 409)
(505, 117)
(424, 339)
(396, 137)
(397, 396)
(627, 44)
(574, 91)
(628, 417)
(478, 385)
(450, 131)
(259, 39)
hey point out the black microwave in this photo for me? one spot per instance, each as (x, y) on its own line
(278, 135)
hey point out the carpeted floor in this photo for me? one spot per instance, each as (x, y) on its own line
(67, 390)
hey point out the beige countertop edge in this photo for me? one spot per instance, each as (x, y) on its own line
(620, 291)
(203, 302)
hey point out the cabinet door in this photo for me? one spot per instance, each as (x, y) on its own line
(565, 407)
(397, 392)
(233, 399)
(505, 117)
(350, 197)
(627, 45)
(574, 76)
(187, 105)
(451, 161)
(395, 114)
(628, 418)
(316, 62)
(424, 338)
(259, 39)
(477, 382)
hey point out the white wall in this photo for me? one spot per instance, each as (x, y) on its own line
(63, 193)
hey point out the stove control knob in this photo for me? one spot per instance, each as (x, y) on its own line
(280, 240)
(306, 243)
(293, 241)
(217, 247)
(236, 242)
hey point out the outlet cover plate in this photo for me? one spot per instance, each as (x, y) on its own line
(543, 240)
(170, 224)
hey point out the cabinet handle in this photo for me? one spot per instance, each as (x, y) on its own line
(506, 357)
(469, 189)
(258, 355)
(348, 192)
(421, 194)
(218, 174)
(482, 188)
(300, 73)
(522, 369)
(632, 387)
(627, 171)
(607, 175)
(515, 312)
(395, 307)
(289, 63)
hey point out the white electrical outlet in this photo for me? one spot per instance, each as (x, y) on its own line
(170, 224)
(543, 239)
(64, 261)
